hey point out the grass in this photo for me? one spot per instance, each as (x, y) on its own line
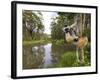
(35, 42)
(68, 59)
(57, 42)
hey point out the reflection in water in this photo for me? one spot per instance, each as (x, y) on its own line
(43, 56)
(48, 56)
(32, 56)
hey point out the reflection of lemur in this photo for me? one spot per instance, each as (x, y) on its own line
(80, 42)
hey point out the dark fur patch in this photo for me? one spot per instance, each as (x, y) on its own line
(76, 39)
(67, 30)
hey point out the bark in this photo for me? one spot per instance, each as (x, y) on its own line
(84, 20)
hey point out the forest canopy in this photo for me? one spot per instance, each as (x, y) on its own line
(83, 24)
(33, 27)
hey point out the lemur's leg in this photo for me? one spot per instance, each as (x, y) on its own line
(82, 55)
(77, 54)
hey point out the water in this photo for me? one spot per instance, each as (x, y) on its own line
(43, 56)
(48, 57)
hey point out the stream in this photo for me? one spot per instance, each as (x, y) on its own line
(43, 56)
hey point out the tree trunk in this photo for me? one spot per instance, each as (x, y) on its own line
(84, 19)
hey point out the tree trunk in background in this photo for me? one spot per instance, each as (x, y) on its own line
(80, 19)
(85, 23)
(76, 27)
(80, 24)
(84, 20)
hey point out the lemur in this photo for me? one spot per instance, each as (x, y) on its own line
(80, 41)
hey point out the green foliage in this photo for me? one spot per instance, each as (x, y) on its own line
(68, 59)
(32, 20)
(68, 17)
(56, 30)
(88, 53)
(87, 32)
(59, 22)
(58, 42)
(35, 42)
(82, 24)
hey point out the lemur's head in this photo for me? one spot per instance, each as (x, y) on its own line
(66, 29)
(70, 34)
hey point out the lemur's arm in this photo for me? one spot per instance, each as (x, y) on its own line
(73, 25)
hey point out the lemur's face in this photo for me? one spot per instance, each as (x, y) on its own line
(67, 30)
(70, 34)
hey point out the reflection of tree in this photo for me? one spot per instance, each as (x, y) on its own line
(32, 57)
(39, 55)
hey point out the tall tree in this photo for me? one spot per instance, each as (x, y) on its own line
(59, 22)
(32, 21)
